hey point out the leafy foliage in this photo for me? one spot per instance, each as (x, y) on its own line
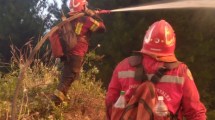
(85, 98)
(22, 20)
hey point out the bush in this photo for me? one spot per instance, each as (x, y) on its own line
(85, 98)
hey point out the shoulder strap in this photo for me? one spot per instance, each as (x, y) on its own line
(136, 61)
(161, 71)
(140, 75)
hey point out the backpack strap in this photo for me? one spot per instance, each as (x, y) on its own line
(136, 61)
(162, 70)
(140, 74)
(175, 116)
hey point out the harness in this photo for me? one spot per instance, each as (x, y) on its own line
(140, 74)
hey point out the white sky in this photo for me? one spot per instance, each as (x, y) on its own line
(44, 13)
(58, 1)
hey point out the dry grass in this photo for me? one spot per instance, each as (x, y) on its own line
(86, 96)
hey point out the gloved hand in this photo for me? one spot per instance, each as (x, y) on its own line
(90, 12)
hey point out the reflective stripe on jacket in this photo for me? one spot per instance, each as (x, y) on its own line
(177, 86)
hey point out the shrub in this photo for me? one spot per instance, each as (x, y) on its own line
(85, 98)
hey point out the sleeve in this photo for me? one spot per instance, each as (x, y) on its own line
(112, 93)
(192, 107)
(96, 26)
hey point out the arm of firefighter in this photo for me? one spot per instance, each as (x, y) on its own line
(97, 26)
(112, 93)
(192, 107)
(90, 12)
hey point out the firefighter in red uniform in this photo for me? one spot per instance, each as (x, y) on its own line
(84, 27)
(176, 86)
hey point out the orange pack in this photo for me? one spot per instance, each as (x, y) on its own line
(63, 40)
(56, 47)
(144, 99)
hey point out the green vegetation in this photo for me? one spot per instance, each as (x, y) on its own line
(21, 21)
(85, 99)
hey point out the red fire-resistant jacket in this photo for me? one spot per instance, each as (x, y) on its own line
(84, 27)
(176, 86)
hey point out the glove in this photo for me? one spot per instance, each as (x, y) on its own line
(90, 12)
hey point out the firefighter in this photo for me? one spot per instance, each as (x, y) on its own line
(83, 27)
(176, 86)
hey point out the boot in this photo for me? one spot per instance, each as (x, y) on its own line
(57, 101)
